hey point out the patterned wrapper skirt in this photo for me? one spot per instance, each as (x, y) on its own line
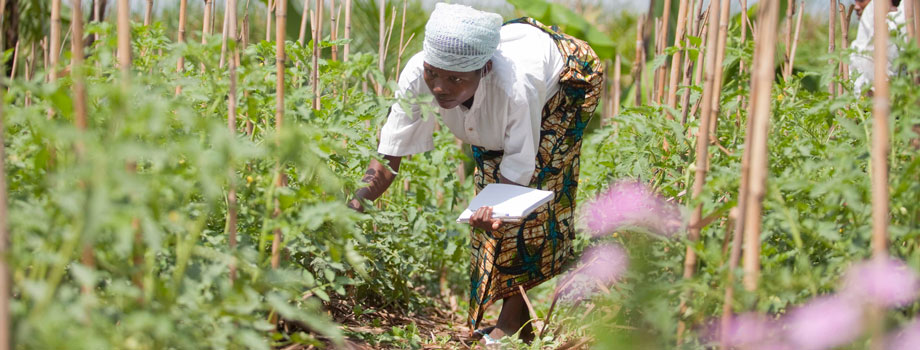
(527, 253)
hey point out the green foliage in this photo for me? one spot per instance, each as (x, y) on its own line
(816, 217)
(144, 191)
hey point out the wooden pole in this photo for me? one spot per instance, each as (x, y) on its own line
(916, 20)
(55, 39)
(346, 50)
(268, 19)
(231, 125)
(845, 44)
(637, 62)
(334, 28)
(76, 48)
(908, 18)
(724, 8)
(831, 42)
(663, 39)
(79, 106)
(303, 23)
(675, 59)
(15, 62)
(402, 34)
(280, 10)
(795, 44)
(6, 323)
(617, 90)
(223, 36)
(317, 34)
(790, 10)
(880, 137)
(654, 90)
(148, 13)
(124, 38)
(183, 4)
(702, 157)
(381, 36)
(244, 42)
(97, 15)
(760, 112)
(206, 22)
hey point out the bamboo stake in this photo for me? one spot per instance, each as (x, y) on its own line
(675, 59)
(303, 23)
(317, 33)
(124, 38)
(831, 42)
(744, 30)
(616, 86)
(213, 19)
(244, 38)
(183, 4)
(402, 34)
(45, 55)
(223, 36)
(698, 70)
(381, 36)
(880, 133)
(760, 112)
(795, 43)
(665, 26)
(97, 16)
(55, 38)
(845, 44)
(916, 20)
(334, 31)
(5, 280)
(15, 63)
(733, 259)
(908, 18)
(231, 125)
(790, 10)
(79, 106)
(268, 19)
(347, 48)
(30, 70)
(279, 112)
(654, 90)
(637, 62)
(724, 8)
(148, 14)
(702, 158)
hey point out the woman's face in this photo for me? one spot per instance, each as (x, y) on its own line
(860, 5)
(451, 88)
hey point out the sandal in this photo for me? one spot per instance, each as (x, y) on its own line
(483, 334)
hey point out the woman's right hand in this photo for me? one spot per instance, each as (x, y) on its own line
(482, 219)
(355, 204)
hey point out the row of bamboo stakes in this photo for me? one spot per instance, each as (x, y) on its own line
(744, 222)
(708, 68)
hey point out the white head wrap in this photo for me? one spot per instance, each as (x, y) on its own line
(460, 38)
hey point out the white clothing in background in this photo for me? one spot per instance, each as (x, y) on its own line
(861, 66)
(507, 106)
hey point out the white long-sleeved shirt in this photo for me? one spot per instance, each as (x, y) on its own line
(507, 106)
(861, 63)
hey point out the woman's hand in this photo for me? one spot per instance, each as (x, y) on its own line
(482, 219)
(355, 204)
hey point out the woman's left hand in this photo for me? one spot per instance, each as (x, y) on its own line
(482, 219)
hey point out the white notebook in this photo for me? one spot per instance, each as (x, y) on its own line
(508, 202)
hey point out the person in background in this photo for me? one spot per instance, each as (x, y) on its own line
(861, 64)
(521, 94)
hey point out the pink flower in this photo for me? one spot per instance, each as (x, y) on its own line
(906, 339)
(824, 323)
(602, 266)
(630, 204)
(883, 281)
(748, 330)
